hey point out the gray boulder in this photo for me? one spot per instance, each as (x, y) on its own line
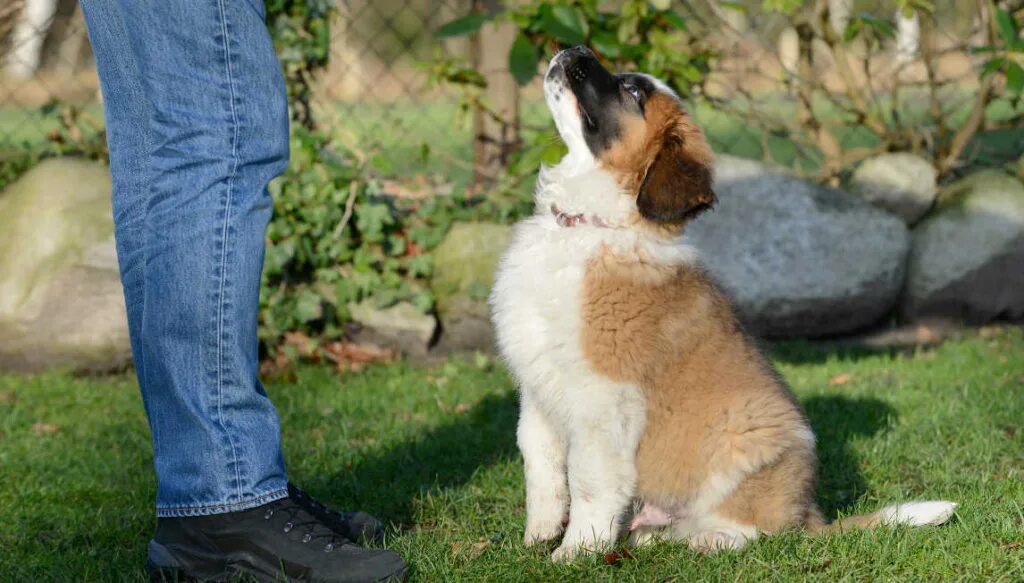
(464, 265)
(797, 258)
(61, 302)
(402, 326)
(901, 183)
(967, 262)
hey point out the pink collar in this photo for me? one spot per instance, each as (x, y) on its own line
(564, 219)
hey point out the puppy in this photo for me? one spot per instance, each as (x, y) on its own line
(638, 387)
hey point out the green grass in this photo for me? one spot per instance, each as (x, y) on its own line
(433, 452)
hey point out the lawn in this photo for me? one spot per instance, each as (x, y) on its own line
(432, 451)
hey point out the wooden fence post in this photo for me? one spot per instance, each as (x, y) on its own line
(495, 132)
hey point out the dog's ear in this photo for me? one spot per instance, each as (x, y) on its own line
(677, 186)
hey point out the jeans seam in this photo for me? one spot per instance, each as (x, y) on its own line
(224, 245)
(221, 508)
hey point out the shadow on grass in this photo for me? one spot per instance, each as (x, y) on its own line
(818, 352)
(837, 421)
(449, 455)
(444, 457)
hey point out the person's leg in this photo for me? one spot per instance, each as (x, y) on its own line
(198, 125)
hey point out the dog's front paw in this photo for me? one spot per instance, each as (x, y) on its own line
(567, 553)
(542, 531)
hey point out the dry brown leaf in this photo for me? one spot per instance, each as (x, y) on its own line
(470, 550)
(840, 379)
(925, 335)
(989, 331)
(1009, 546)
(42, 428)
(613, 558)
(418, 187)
(352, 352)
(278, 369)
(461, 408)
(303, 344)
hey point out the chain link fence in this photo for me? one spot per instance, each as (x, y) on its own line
(377, 95)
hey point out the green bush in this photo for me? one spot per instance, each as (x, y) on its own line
(337, 239)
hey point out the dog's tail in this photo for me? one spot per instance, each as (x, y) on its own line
(929, 513)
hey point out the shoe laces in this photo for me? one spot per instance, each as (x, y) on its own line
(299, 520)
(304, 499)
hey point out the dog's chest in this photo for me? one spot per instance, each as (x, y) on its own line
(537, 299)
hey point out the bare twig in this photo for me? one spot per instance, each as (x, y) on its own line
(353, 191)
(976, 118)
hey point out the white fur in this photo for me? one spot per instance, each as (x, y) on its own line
(705, 533)
(711, 532)
(578, 431)
(930, 513)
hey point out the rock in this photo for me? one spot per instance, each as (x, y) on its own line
(967, 260)
(61, 302)
(797, 258)
(901, 183)
(402, 326)
(464, 265)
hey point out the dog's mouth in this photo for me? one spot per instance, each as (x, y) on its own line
(575, 75)
(584, 115)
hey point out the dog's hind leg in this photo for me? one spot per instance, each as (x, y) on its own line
(643, 535)
(603, 438)
(544, 458)
(713, 533)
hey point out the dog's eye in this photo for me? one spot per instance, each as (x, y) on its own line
(634, 91)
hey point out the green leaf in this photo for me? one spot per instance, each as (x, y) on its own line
(562, 23)
(881, 25)
(731, 5)
(371, 220)
(691, 73)
(477, 290)
(1007, 28)
(382, 165)
(674, 20)
(1014, 79)
(553, 152)
(606, 44)
(421, 265)
(852, 29)
(423, 301)
(783, 6)
(308, 306)
(522, 59)
(992, 65)
(462, 26)
(571, 18)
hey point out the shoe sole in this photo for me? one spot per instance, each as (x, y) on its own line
(163, 567)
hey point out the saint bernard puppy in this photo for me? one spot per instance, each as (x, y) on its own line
(641, 396)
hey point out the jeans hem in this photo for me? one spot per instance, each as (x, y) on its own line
(208, 509)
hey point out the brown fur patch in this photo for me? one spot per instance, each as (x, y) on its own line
(713, 403)
(664, 159)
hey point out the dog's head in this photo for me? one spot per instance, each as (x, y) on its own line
(634, 127)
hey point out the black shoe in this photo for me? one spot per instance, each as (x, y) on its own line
(280, 540)
(358, 526)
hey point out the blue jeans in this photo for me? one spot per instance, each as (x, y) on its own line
(197, 125)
